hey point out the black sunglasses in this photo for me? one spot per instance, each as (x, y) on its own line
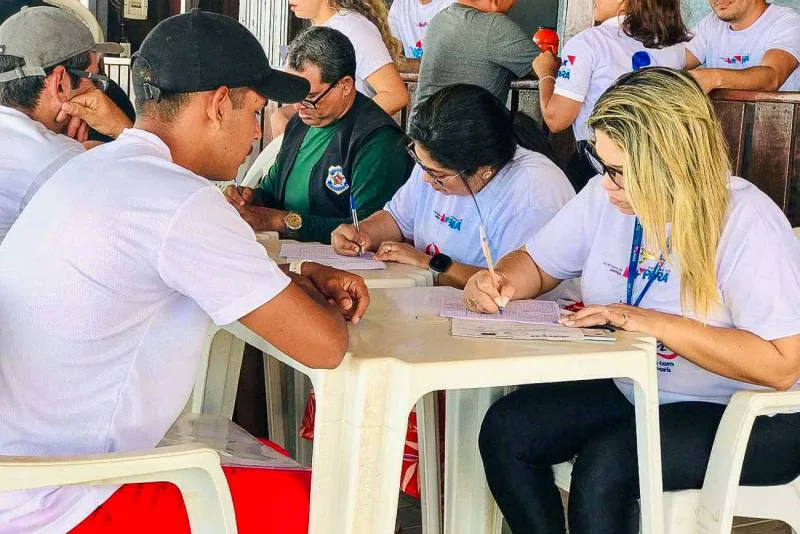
(100, 81)
(600, 166)
(312, 104)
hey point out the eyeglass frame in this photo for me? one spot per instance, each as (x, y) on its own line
(100, 81)
(312, 104)
(441, 182)
(600, 166)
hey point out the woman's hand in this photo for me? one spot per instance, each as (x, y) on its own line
(546, 64)
(347, 242)
(617, 315)
(402, 253)
(483, 294)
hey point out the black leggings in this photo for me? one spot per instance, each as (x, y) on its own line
(538, 426)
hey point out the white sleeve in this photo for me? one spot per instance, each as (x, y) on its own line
(402, 205)
(394, 20)
(371, 51)
(560, 248)
(699, 43)
(211, 255)
(759, 275)
(785, 35)
(577, 65)
(520, 227)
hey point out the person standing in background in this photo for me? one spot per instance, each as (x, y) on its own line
(474, 41)
(632, 34)
(746, 44)
(409, 19)
(365, 23)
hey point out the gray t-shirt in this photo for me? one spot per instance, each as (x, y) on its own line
(465, 45)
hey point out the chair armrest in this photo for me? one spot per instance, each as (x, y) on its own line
(718, 497)
(194, 469)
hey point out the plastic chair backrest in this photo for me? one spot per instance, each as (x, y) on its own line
(262, 163)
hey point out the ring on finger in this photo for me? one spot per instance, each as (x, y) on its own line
(388, 248)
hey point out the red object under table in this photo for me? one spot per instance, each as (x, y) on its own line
(266, 501)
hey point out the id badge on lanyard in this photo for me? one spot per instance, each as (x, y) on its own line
(633, 266)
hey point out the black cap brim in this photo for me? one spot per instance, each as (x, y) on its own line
(283, 87)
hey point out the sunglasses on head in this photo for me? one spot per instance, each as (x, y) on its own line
(100, 81)
(600, 166)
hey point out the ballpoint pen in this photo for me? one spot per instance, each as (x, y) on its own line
(354, 213)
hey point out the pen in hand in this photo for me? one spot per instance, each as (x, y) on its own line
(354, 213)
(488, 255)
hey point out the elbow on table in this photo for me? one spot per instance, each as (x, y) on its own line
(785, 382)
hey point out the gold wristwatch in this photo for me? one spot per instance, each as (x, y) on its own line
(293, 222)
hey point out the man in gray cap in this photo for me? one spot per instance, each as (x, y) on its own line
(48, 93)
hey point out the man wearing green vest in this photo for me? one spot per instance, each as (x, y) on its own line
(338, 144)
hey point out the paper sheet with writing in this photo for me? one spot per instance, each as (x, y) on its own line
(325, 255)
(519, 311)
(509, 330)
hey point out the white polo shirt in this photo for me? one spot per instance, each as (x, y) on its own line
(409, 20)
(29, 155)
(758, 276)
(371, 51)
(516, 204)
(717, 46)
(593, 60)
(107, 283)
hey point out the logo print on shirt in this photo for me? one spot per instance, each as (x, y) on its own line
(336, 180)
(566, 65)
(454, 223)
(665, 357)
(646, 274)
(736, 60)
(640, 60)
(416, 52)
(422, 24)
(431, 249)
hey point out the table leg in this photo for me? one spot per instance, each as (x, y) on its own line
(469, 507)
(648, 444)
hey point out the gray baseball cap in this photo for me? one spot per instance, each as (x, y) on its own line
(44, 37)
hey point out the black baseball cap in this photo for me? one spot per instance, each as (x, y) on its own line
(201, 51)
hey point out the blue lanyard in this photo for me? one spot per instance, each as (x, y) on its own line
(633, 266)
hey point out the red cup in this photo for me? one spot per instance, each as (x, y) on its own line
(546, 39)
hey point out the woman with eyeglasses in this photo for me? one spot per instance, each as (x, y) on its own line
(631, 34)
(476, 163)
(666, 243)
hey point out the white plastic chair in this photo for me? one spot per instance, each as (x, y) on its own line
(711, 510)
(194, 469)
(262, 163)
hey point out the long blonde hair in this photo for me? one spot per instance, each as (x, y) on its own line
(375, 11)
(676, 170)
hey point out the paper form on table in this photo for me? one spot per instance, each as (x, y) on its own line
(325, 255)
(518, 311)
(509, 330)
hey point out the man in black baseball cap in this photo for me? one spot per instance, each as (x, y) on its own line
(130, 250)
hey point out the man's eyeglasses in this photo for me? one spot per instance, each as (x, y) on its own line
(312, 103)
(599, 165)
(440, 180)
(100, 81)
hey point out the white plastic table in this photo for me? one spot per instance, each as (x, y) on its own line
(402, 350)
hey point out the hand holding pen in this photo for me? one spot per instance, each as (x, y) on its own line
(354, 213)
(487, 253)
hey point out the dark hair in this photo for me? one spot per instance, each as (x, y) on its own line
(328, 49)
(655, 23)
(465, 127)
(25, 93)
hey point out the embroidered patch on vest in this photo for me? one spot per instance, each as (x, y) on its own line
(336, 180)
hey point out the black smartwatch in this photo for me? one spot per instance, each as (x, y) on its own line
(439, 263)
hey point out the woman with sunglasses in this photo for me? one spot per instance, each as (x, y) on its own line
(632, 34)
(666, 243)
(476, 164)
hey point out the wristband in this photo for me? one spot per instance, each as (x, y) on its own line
(296, 267)
(547, 78)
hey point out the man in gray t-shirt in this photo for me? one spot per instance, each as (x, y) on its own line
(467, 43)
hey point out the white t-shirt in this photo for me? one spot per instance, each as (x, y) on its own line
(409, 20)
(515, 204)
(29, 155)
(758, 276)
(371, 51)
(716, 45)
(108, 280)
(593, 60)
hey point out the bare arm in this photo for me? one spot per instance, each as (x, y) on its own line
(729, 352)
(770, 75)
(302, 324)
(691, 61)
(558, 112)
(391, 93)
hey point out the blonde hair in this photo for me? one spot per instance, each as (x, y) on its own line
(676, 170)
(375, 11)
